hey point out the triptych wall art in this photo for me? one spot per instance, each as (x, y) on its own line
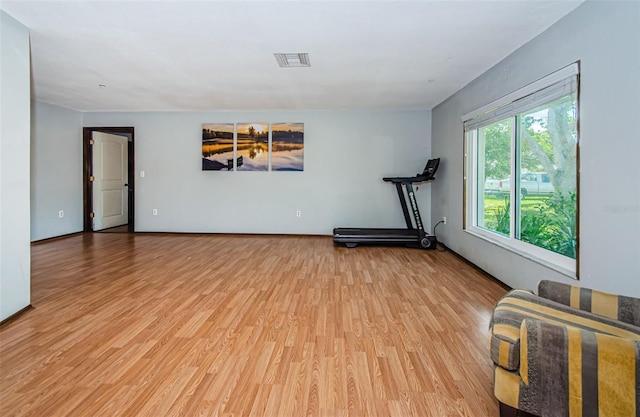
(253, 147)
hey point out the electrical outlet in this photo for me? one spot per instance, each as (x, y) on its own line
(61, 213)
(444, 220)
(155, 212)
(298, 213)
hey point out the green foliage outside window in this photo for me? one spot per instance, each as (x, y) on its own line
(548, 222)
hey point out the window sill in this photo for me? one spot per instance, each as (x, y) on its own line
(561, 264)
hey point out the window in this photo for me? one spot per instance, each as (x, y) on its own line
(521, 164)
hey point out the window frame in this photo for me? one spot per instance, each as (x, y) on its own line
(560, 263)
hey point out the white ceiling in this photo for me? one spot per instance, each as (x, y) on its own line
(211, 55)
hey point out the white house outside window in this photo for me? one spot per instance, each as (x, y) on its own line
(521, 164)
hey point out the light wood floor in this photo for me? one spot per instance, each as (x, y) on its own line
(274, 326)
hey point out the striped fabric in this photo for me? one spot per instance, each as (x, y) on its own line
(618, 307)
(552, 359)
(505, 333)
(518, 305)
(568, 371)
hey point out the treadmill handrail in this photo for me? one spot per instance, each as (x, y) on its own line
(408, 180)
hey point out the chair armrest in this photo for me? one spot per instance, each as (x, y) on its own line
(565, 370)
(617, 307)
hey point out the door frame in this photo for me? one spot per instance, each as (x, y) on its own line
(87, 169)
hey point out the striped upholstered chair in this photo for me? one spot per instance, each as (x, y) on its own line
(568, 351)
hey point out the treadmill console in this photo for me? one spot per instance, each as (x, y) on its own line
(428, 174)
(430, 169)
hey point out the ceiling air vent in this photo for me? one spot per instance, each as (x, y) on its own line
(293, 60)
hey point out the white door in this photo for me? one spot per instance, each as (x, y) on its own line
(110, 190)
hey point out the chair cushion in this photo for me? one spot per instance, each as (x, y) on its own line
(517, 305)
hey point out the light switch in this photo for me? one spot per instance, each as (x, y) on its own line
(141, 174)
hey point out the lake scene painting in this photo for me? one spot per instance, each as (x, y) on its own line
(287, 147)
(253, 147)
(217, 147)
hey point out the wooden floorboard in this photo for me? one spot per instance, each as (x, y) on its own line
(227, 325)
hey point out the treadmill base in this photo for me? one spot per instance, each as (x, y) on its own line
(352, 237)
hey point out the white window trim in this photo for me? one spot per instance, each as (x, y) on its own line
(560, 263)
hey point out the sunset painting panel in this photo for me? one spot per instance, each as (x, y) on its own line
(217, 147)
(253, 147)
(287, 147)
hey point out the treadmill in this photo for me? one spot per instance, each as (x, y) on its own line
(411, 236)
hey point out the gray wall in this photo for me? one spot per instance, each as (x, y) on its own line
(15, 256)
(605, 37)
(346, 155)
(56, 170)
